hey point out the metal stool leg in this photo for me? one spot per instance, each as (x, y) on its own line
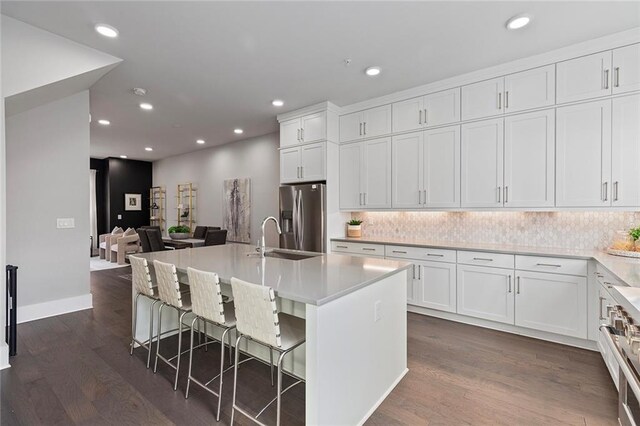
(226, 331)
(230, 348)
(175, 382)
(133, 322)
(279, 402)
(155, 365)
(271, 364)
(235, 377)
(186, 394)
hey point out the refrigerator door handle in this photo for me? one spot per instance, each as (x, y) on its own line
(294, 219)
(301, 222)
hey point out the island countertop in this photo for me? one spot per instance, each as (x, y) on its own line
(316, 280)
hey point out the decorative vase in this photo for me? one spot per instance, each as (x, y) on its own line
(179, 235)
(354, 231)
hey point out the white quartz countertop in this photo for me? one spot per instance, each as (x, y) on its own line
(316, 280)
(625, 269)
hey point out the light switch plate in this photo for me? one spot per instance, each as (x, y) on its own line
(119, 217)
(66, 223)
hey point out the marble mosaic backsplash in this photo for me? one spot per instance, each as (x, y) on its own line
(572, 230)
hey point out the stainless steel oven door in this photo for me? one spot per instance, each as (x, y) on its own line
(629, 382)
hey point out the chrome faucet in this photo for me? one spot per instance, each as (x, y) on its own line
(262, 246)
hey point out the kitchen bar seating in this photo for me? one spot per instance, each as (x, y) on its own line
(143, 286)
(258, 319)
(208, 306)
(170, 296)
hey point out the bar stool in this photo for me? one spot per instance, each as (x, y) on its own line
(143, 286)
(258, 319)
(170, 296)
(208, 306)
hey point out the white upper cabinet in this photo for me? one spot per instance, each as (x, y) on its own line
(407, 169)
(482, 99)
(290, 165)
(313, 127)
(530, 89)
(431, 110)
(482, 163)
(290, 132)
(370, 123)
(529, 152)
(351, 158)
(625, 170)
(583, 155)
(584, 78)
(304, 163)
(626, 69)
(441, 167)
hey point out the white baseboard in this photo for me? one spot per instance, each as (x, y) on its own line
(55, 307)
(4, 356)
(383, 397)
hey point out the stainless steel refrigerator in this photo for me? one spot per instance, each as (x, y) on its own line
(302, 217)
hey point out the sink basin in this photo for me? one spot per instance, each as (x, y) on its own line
(286, 255)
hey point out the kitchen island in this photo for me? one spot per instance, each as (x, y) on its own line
(355, 310)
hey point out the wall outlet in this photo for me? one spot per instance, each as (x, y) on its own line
(66, 223)
(119, 217)
(377, 308)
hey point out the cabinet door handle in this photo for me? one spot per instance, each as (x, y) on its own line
(419, 196)
(368, 249)
(600, 299)
(499, 100)
(298, 135)
(360, 198)
(425, 197)
(435, 255)
(499, 192)
(360, 129)
(344, 247)
(615, 191)
(425, 116)
(506, 99)
(509, 290)
(549, 264)
(364, 128)
(419, 272)
(420, 117)
(414, 271)
(302, 134)
(399, 251)
(616, 77)
(506, 194)
(606, 79)
(517, 285)
(486, 259)
(605, 190)
(364, 198)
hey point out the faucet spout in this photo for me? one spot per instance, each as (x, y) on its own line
(262, 242)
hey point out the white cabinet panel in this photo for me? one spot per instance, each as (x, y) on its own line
(290, 132)
(583, 78)
(351, 127)
(552, 302)
(407, 115)
(529, 151)
(496, 260)
(407, 169)
(437, 282)
(626, 69)
(312, 162)
(583, 154)
(377, 173)
(486, 293)
(376, 121)
(420, 253)
(314, 127)
(289, 165)
(552, 264)
(625, 148)
(482, 99)
(482, 163)
(358, 249)
(533, 88)
(350, 176)
(442, 107)
(441, 167)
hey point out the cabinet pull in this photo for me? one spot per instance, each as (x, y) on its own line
(360, 198)
(606, 79)
(506, 99)
(549, 264)
(616, 77)
(301, 172)
(499, 191)
(517, 285)
(425, 116)
(419, 272)
(399, 251)
(615, 191)
(414, 271)
(360, 129)
(486, 259)
(368, 249)
(364, 198)
(425, 197)
(344, 247)
(419, 196)
(435, 255)
(605, 190)
(364, 128)
(506, 194)
(509, 290)
(298, 135)
(499, 100)
(420, 117)
(600, 299)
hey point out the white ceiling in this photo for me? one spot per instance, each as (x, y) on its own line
(212, 66)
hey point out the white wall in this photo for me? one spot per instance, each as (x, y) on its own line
(47, 161)
(255, 158)
(4, 352)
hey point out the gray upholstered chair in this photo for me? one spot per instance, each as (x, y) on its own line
(215, 237)
(123, 245)
(105, 243)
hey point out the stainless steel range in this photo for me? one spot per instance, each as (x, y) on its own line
(621, 337)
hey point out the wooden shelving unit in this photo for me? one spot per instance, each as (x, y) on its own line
(157, 196)
(186, 205)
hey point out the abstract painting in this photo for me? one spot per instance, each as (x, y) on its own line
(237, 209)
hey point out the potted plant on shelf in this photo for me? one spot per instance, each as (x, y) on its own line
(354, 228)
(179, 232)
(634, 233)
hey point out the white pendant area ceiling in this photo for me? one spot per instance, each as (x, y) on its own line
(212, 67)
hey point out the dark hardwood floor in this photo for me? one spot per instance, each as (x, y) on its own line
(76, 369)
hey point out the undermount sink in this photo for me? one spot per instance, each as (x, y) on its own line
(286, 255)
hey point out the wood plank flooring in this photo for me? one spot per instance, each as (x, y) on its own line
(76, 369)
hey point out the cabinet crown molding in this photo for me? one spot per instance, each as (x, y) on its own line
(311, 109)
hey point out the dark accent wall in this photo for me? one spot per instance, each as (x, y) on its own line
(121, 177)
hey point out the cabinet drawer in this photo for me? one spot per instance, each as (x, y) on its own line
(373, 250)
(495, 260)
(605, 278)
(420, 253)
(552, 264)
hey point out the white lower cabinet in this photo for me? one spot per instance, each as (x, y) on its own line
(604, 300)
(551, 302)
(436, 286)
(486, 293)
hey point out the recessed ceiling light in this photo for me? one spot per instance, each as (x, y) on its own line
(146, 106)
(104, 122)
(139, 91)
(123, 156)
(106, 30)
(372, 71)
(238, 131)
(148, 148)
(518, 21)
(200, 141)
(277, 102)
